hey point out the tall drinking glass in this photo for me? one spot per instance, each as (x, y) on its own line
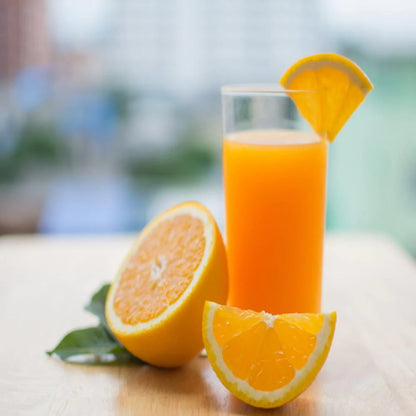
(274, 170)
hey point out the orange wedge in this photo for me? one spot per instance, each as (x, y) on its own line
(337, 85)
(154, 307)
(266, 360)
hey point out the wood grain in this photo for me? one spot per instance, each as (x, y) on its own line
(45, 282)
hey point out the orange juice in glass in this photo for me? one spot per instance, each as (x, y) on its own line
(274, 171)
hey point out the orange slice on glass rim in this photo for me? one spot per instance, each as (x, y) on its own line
(266, 360)
(337, 85)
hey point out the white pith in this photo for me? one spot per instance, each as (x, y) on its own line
(209, 234)
(242, 385)
(158, 266)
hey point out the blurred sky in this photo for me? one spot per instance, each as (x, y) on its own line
(77, 24)
(384, 27)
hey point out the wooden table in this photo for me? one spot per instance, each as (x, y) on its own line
(45, 282)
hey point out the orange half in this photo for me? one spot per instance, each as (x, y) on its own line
(266, 360)
(155, 304)
(337, 87)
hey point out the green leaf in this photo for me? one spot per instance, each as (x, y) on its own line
(97, 306)
(97, 303)
(93, 345)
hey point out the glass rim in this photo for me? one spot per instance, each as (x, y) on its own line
(259, 89)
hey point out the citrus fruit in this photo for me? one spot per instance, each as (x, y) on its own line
(155, 304)
(337, 87)
(263, 359)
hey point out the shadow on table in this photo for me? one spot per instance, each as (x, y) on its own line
(191, 389)
(299, 406)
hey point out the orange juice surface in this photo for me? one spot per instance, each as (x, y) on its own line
(275, 184)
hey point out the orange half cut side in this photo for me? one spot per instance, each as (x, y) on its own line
(157, 298)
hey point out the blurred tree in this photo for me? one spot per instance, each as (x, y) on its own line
(37, 144)
(186, 162)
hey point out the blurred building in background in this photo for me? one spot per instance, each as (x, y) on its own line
(191, 47)
(110, 111)
(24, 37)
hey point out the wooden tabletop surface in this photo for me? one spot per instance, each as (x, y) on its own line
(46, 281)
